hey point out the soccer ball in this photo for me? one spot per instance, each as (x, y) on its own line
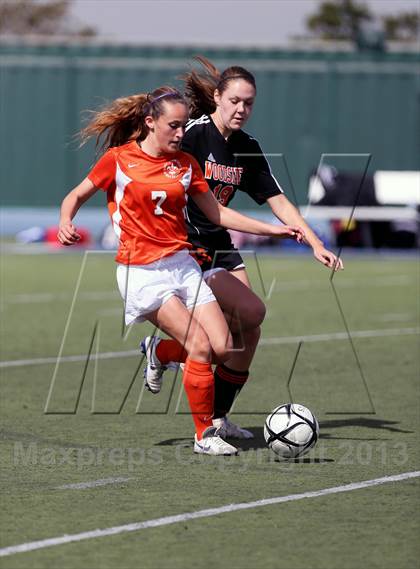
(291, 430)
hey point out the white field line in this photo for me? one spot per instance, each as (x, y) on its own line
(263, 342)
(92, 484)
(397, 317)
(167, 520)
(41, 297)
(385, 281)
(341, 336)
(375, 281)
(66, 359)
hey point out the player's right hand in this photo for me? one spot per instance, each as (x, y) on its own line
(67, 234)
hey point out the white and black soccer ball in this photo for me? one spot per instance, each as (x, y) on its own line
(291, 430)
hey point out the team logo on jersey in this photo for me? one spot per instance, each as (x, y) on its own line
(172, 169)
(222, 173)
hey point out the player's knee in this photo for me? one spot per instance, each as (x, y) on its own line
(198, 346)
(260, 313)
(222, 348)
(252, 314)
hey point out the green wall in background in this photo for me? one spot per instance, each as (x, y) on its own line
(308, 103)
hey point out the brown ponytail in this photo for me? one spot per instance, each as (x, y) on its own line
(201, 85)
(123, 119)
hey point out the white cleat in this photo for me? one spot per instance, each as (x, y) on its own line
(229, 430)
(154, 370)
(213, 444)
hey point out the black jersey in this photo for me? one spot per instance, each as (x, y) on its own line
(228, 165)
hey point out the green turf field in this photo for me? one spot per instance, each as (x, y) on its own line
(140, 445)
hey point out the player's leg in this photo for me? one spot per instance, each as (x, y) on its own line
(212, 320)
(233, 292)
(193, 291)
(178, 322)
(175, 320)
(245, 312)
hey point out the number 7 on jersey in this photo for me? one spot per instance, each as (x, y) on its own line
(161, 196)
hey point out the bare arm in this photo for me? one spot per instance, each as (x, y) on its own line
(232, 219)
(67, 234)
(288, 213)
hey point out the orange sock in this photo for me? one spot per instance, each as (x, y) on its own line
(199, 387)
(170, 351)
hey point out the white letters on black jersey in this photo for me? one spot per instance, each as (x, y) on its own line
(228, 165)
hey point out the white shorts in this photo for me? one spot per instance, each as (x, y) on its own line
(144, 288)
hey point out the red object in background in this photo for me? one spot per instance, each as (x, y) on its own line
(51, 237)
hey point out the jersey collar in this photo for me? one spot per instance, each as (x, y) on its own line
(230, 138)
(143, 154)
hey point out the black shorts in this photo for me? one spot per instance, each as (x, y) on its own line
(226, 256)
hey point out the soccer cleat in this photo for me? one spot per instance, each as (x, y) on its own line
(154, 370)
(229, 430)
(213, 444)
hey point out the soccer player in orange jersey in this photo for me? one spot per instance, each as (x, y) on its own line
(147, 179)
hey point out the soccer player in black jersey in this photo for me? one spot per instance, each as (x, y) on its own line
(231, 160)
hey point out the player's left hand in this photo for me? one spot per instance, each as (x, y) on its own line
(328, 258)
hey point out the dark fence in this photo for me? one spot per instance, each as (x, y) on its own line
(309, 103)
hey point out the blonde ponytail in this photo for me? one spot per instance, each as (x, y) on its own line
(123, 119)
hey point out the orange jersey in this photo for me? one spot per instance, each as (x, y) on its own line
(146, 200)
